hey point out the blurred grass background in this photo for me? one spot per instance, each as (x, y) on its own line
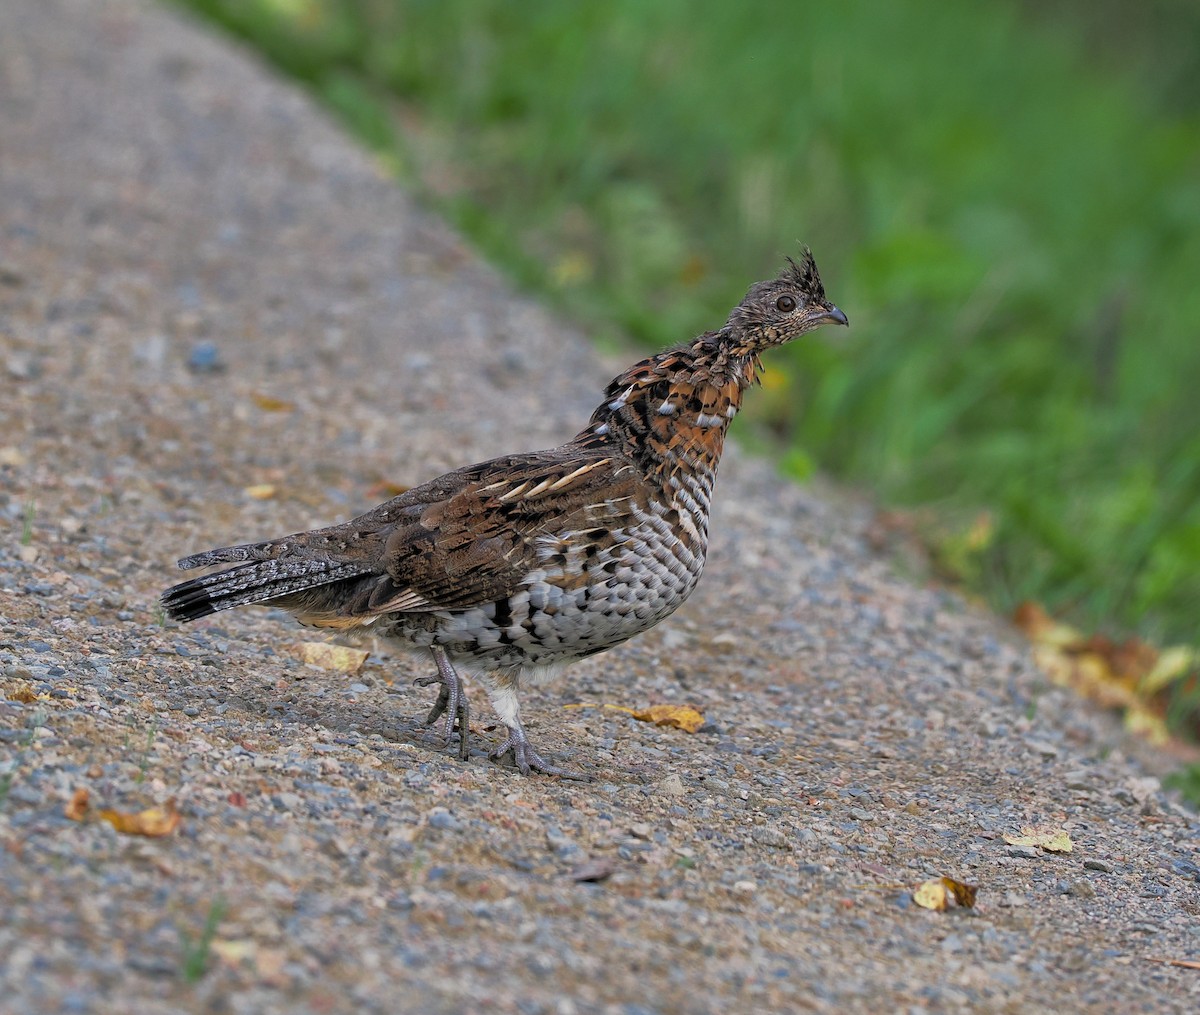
(1003, 196)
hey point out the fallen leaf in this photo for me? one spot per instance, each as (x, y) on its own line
(1172, 664)
(1041, 628)
(1148, 724)
(1131, 675)
(261, 491)
(682, 717)
(154, 822)
(233, 952)
(25, 694)
(269, 403)
(964, 894)
(931, 894)
(1052, 840)
(333, 657)
(936, 894)
(77, 808)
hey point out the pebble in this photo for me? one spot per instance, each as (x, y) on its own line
(768, 836)
(1098, 865)
(1023, 852)
(672, 785)
(205, 358)
(441, 818)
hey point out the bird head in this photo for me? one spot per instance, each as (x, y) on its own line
(784, 308)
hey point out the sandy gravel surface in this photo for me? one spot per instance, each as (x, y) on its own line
(205, 288)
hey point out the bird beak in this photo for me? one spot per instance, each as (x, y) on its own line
(832, 313)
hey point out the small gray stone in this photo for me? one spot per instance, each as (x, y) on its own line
(205, 358)
(1023, 852)
(441, 818)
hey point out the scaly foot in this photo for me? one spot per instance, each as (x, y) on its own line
(451, 701)
(528, 760)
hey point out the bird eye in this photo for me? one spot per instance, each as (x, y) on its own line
(785, 304)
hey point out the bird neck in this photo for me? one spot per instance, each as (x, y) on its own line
(672, 410)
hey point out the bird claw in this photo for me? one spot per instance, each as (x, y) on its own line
(528, 760)
(452, 703)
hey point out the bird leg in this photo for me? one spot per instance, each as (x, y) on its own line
(450, 700)
(504, 701)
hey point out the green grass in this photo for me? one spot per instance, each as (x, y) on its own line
(1014, 232)
(27, 522)
(197, 948)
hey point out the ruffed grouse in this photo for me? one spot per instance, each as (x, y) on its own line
(521, 565)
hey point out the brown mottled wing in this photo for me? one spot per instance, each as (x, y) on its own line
(470, 537)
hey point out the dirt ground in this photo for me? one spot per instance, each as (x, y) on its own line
(219, 322)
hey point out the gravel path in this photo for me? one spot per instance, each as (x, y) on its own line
(206, 289)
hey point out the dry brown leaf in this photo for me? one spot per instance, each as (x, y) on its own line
(268, 403)
(153, 822)
(24, 694)
(1052, 840)
(936, 894)
(964, 894)
(1129, 675)
(333, 657)
(261, 491)
(682, 717)
(77, 807)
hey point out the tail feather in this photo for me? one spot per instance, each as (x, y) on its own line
(254, 580)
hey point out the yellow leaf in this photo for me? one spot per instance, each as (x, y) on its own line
(682, 717)
(25, 694)
(936, 894)
(232, 952)
(269, 404)
(1052, 840)
(333, 657)
(1042, 629)
(154, 822)
(931, 894)
(1172, 663)
(261, 491)
(1145, 723)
